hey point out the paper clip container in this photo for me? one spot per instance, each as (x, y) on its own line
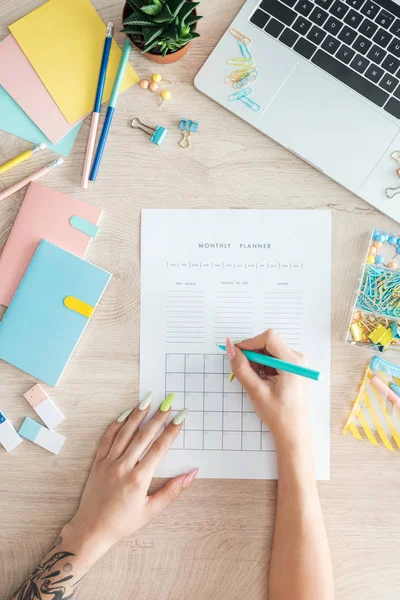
(375, 317)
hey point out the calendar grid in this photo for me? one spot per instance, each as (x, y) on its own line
(220, 416)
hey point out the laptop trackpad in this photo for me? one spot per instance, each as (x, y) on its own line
(328, 125)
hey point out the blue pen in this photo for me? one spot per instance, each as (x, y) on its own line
(280, 365)
(110, 111)
(97, 105)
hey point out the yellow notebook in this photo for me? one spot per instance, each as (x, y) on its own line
(64, 42)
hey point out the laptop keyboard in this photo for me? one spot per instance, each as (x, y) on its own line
(356, 41)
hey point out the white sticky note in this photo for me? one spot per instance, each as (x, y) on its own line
(9, 438)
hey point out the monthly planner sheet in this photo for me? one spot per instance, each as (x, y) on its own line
(207, 274)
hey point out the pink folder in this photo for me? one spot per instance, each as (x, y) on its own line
(44, 214)
(20, 80)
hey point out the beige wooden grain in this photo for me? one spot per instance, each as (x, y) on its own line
(215, 543)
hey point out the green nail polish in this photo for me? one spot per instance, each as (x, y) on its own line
(124, 415)
(166, 405)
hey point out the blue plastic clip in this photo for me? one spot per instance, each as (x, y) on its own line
(187, 125)
(157, 135)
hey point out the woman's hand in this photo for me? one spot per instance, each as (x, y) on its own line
(115, 502)
(279, 398)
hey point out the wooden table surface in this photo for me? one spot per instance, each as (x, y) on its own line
(215, 543)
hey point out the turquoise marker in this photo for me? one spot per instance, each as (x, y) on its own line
(280, 365)
(110, 111)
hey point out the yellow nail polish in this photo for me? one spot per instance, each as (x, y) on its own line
(166, 405)
(231, 377)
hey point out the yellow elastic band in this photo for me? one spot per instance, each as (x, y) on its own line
(78, 306)
(377, 423)
(366, 428)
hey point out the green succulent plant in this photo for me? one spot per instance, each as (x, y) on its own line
(169, 24)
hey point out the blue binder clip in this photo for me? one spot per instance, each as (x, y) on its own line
(187, 127)
(157, 135)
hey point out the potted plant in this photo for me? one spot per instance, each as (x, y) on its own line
(161, 29)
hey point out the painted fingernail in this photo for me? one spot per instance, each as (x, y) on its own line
(180, 417)
(145, 403)
(124, 415)
(166, 405)
(230, 348)
(189, 477)
(231, 377)
(236, 341)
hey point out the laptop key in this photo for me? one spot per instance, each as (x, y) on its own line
(353, 80)
(305, 48)
(370, 9)
(333, 26)
(382, 38)
(359, 63)
(304, 7)
(368, 28)
(393, 108)
(355, 3)
(289, 2)
(395, 28)
(330, 44)
(274, 28)
(397, 92)
(353, 18)
(289, 37)
(389, 83)
(345, 54)
(339, 9)
(374, 73)
(391, 64)
(385, 19)
(324, 3)
(318, 16)
(376, 54)
(259, 18)
(347, 35)
(394, 47)
(301, 25)
(362, 45)
(279, 11)
(316, 34)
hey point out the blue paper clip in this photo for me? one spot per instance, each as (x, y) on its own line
(245, 51)
(157, 135)
(250, 78)
(250, 103)
(187, 125)
(240, 94)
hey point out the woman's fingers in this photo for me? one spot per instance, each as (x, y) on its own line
(169, 493)
(242, 369)
(145, 436)
(107, 440)
(268, 342)
(161, 446)
(130, 425)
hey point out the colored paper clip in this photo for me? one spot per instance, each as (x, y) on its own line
(245, 51)
(187, 127)
(238, 74)
(240, 94)
(240, 36)
(250, 78)
(157, 135)
(241, 62)
(250, 103)
(392, 192)
(396, 155)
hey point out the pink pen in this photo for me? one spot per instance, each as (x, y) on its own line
(17, 186)
(386, 391)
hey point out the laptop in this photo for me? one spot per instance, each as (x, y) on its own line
(328, 86)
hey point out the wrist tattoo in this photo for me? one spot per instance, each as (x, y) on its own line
(47, 580)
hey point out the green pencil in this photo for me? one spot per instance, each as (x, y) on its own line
(280, 365)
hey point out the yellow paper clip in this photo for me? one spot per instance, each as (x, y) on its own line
(238, 75)
(240, 36)
(241, 62)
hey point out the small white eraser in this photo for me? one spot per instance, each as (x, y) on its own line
(9, 438)
(46, 438)
(44, 406)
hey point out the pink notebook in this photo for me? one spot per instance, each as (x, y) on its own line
(50, 215)
(20, 80)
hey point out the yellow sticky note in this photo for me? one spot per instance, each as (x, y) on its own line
(64, 42)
